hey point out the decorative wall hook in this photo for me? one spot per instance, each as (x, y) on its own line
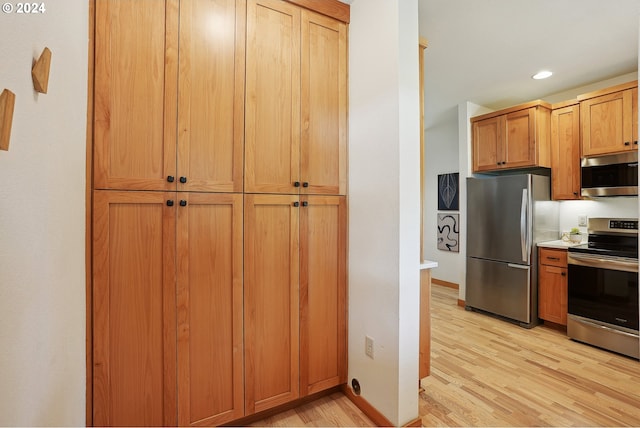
(40, 71)
(7, 101)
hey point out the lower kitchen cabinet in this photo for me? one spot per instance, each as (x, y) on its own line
(167, 308)
(295, 314)
(552, 285)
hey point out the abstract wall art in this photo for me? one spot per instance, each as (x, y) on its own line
(448, 192)
(449, 232)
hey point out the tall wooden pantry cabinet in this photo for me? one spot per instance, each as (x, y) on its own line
(218, 233)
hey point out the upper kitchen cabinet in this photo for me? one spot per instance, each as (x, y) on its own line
(518, 137)
(609, 120)
(169, 95)
(565, 151)
(296, 100)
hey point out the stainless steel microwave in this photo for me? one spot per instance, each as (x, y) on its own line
(610, 175)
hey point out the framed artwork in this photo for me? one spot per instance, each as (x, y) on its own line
(449, 232)
(448, 192)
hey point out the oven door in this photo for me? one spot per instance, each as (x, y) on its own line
(603, 288)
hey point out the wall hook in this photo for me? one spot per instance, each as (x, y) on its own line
(7, 101)
(40, 71)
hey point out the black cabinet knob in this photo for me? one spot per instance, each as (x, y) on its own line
(183, 203)
(183, 180)
(563, 274)
(305, 184)
(635, 143)
(626, 143)
(170, 178)
(305, 203)
(296, 184)
(575, 193)
(296, 204)
(169, 203)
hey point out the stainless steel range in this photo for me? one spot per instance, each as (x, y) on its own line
(603, 287)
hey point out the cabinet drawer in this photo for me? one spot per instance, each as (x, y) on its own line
(553, 257)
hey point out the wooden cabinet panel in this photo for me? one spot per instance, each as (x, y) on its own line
(134, 339)
(271, 301)
(565, 153)
(323, 147)
(520, 138)
(517, 137)
(609, 124)
(272, 111)
(136, 49)
(552, 285)
(486, 137)
(322, 293)
(211, 95)
(147, 104)
(210, 332)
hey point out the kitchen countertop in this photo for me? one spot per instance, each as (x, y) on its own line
(559, 243)
(428, 264)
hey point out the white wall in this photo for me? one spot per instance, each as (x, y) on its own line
(42, 220)
(384, 208)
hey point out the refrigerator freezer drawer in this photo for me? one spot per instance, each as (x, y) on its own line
(500, 288)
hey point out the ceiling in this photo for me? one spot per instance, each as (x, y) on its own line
(485, 51)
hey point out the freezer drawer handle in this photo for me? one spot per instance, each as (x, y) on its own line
(515, 266)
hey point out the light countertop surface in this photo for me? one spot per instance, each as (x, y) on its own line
(559, 243)
(428, 264)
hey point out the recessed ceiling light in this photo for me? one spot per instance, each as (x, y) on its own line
(542, 75)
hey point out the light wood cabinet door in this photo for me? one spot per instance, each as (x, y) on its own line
(323, 146)
(552, 285)
(271, 300)
(487, 144)
(519, 142)
(134, 301)
(323, 229)
(211, 95)
(136, 49)
(272, 110)
(209, 318)
(565, 153)
(609, 124)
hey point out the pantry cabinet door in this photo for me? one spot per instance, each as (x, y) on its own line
(211, 95)
(272, 111)
(271, 302)
(323, 146)
(210, 350)
(136, 58)
(134, 301)
(323, 230)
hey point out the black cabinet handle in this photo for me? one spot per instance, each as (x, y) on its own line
(296, 184)
(554, 258)
(183, 203)
(305, 203)
(563, 274)
(170, 178)
(575, 193)
(296, 204)
(183, 180)
(635, 143)
(626, 143)
(170, 203)
(305, 184)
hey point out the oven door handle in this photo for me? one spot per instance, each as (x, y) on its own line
(604, 262)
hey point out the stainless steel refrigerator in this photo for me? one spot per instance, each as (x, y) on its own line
(506, 217)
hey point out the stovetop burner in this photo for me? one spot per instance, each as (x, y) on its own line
(613, 237)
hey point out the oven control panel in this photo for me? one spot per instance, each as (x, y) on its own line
(623, 224)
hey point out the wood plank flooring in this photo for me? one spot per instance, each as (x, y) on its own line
(488, 372)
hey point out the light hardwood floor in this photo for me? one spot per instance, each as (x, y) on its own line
(488, 372)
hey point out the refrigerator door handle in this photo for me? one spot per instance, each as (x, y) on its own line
(515, 266)
(523, 225)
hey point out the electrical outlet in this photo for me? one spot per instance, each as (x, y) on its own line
(582, 220)
(368, 346)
